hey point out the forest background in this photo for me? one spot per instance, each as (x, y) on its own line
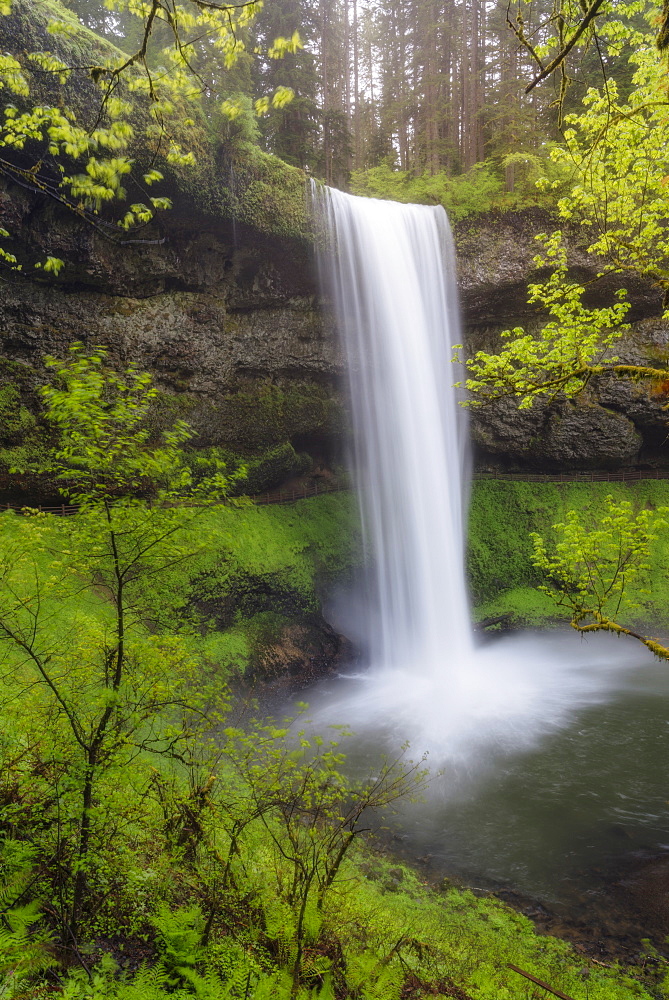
(400, 98)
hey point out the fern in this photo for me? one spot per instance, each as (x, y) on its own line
(23, 947)
(149, 983)
(324, 992)
(16, 872)
(154, 983)
(179, 939)
(388, 985)
(376, 978)
(273, 987)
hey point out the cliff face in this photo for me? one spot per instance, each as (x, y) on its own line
(615, 423)
(225, 317)
(215, 297)
(218, 298)
(228, 320)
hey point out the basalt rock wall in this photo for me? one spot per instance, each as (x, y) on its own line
(218, 297)
(613, 424)
(215, 297)
(227, 318)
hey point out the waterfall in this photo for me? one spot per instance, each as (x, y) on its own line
(519, 790)
(388, 269)
(390, 272)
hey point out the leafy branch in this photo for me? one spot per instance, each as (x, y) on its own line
(590, 567)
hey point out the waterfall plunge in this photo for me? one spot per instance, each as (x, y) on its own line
(393, 288)
(389, 269)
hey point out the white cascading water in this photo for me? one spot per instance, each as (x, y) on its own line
(393, 286)
(389, 269)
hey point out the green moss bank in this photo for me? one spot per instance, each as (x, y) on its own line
(279, 560)
(502, 514)
(257, 590)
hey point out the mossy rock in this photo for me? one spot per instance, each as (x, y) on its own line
(274, 467)
(295, 651)
(263, 414)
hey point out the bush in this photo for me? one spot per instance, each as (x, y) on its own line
(537, 181)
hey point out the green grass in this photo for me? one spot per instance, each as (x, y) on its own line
(502, 514)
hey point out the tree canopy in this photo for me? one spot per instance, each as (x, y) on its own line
(616, 149)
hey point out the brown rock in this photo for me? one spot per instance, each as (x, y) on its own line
(300, 652)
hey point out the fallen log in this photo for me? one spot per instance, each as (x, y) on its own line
(539, 982)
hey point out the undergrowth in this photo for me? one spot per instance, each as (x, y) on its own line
(227, 862)
(502, 515)
(482, 188)
(375, 940)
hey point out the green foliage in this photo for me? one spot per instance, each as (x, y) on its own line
(77, 597)
(503, 516)
(480, 189)
(229, 652)
(268, 194)
(311, 814)
(273, 467)
(24, 946)
(594, 563)
(239, 122)
(269, 896)
(77, 600)
(15, 420)
(149, 97)
(571, 348)
(134, 807)
(104, 447)
(522, 606)
(454, 938)
(179, 939)
(264, 415)
(617, 149)
(22, 439)
(616, 153)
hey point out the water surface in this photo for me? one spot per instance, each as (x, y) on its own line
(541, 791)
